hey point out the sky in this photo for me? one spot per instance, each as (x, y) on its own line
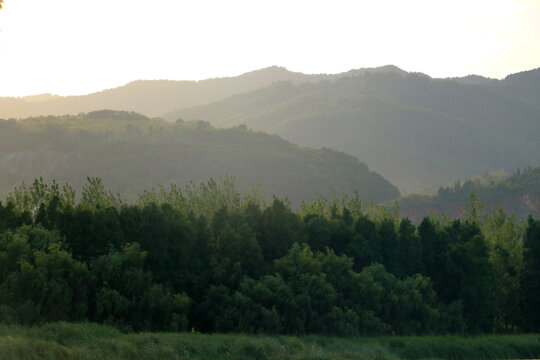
(74, 47)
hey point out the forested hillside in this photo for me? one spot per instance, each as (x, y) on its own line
(518, 194)
(416, 131)
(524, 85)
(132, 153)
(211, 258)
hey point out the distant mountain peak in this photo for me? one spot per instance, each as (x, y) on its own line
(389, 68)
(473, 79)
(273, 68)
(271, 71)
(533, 73)
(376, 70)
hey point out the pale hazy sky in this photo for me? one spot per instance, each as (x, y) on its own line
(76, 47)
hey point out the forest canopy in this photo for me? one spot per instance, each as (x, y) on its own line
(212, 258)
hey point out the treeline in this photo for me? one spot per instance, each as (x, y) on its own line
(492, 185)
(210, 258)
(518, 193)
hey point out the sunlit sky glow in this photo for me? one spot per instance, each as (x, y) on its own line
(76, 47)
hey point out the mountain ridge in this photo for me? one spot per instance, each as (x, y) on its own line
(156, 97)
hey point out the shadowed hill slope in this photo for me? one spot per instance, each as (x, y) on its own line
(132, 153)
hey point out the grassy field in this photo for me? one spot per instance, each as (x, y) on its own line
(91, 341)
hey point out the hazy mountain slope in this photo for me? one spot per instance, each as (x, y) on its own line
(524, 85)
(132, 153)
(414, 130)
(155, 97)
(518, 194)
(150, 97)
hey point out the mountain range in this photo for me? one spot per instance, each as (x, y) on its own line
(416, 131)
(149, 97)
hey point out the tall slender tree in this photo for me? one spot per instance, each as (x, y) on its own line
(530, 283)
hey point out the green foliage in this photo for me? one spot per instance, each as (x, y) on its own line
(280, 229)
(94, 195)
(504, 236)
(125, 295)
(41, 196)
(530, 280)
(38, 284)
(203, 199)
(236, 264)
(456, 258)
(389, 305)
(409, 250)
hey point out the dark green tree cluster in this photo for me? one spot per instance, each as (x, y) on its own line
(211, 258)
(531, 276)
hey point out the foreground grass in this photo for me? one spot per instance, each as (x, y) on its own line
(91, 341)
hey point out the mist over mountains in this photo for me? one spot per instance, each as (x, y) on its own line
(156, 97)
(416, 131)
(150, 97)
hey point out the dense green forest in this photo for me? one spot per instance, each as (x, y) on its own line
(518, 194)
(416, 131)
(214, 259)
(132, 153)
